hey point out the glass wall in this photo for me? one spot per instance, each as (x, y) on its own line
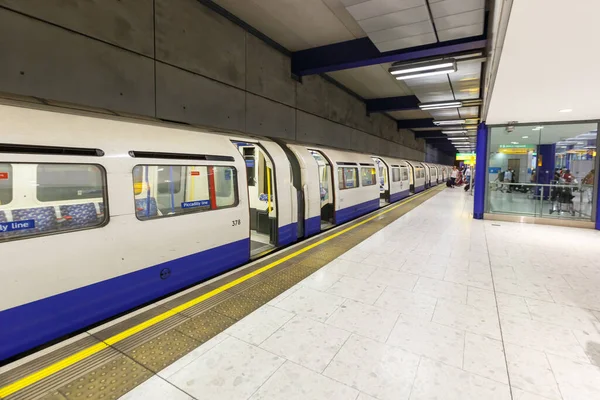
(543, 171)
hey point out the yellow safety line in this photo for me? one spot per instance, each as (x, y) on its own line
(83, 354)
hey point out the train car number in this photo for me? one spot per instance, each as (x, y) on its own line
(236, 222)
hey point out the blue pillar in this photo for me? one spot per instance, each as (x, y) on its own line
(480, 171)
(597, 179)
(545, 171)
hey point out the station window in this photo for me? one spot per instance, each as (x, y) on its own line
(73, 197)
(404, 173)
(6, 184)
(167, 190)
(396, 174)
(368, 176)
(347, 177)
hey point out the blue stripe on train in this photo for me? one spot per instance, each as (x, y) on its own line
(394, 197)
(312, 226)
(419, 189)
(346, 214)
(41, 321)
(287, 234)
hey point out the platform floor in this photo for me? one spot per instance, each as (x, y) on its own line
(434, 306)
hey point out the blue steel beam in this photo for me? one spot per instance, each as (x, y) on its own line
(362, 52)
(392, 104)
(416, 123)
(430, 135)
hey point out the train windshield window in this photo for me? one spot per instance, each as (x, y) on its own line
(347, 178)
(404, 173)
(368, 176)
(72, 197)
(6, 184)
(167, 190)
(396, 174)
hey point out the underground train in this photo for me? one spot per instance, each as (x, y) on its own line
(99, 214)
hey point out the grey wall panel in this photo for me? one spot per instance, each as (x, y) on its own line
(269, 118)
(311, 95)
(46, 61)
(127, 23)
(268, 72)
(346, 109)
(313, 129)
(193, 37)
(186, 97)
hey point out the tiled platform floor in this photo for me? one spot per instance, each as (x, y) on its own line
(434, 306)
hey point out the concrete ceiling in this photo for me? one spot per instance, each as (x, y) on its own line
(549, 62)
(548, 135)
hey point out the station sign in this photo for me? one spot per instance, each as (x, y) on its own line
(197, 203)
(516, 148)
(17, 225)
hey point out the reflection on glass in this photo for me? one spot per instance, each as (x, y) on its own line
(543, 171)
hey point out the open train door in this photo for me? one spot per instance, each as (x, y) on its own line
(383, 177)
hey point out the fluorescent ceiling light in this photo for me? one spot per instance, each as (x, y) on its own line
(514, 142)
(440, 105)
(450, 122)
(458, 138)
(565, 110)
(537, 128)
(589, 147)
(447, 132)
(525, 137)
(410, 71)
(423, 74)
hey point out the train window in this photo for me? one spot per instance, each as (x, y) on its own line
(396, 174)
(6, 184)
(347, 177)
(368, 176)
(404, 173)
(64, 182)
(73, 197)
(167, 190)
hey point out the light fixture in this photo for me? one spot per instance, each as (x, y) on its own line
(524, 137)
(565, 110)
(410, 71)
(514, 142)
(448, 132)
(537, 128)
(440, 105)
(449, 122)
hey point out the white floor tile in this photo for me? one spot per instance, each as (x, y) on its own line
(482, 280)
(311, 303)
(357, 289)
(519, 394)
(509, 304)
(481, 298)
(441, 289)
(485, 357)
(294, 382)
(364, 396)
(542, 337)
(373, 322)
(320, 280)
(429, 339)
(576, 381)
(578, 298)
(422, 268)
(231, 370)
(389, 261)
(283, 295)
(156, 388)
(260, 324)
(408, 303)
(590, 342)
(563, 315)
(306, 342)
(439, 381)
(358, 270)
(354, 254)
(482, 321)
(529, 370)
(523, 289)
(400, 280)
(374, 368)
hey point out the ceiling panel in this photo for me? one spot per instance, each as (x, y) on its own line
(446, 113)
(466, 80)
(371, 82)
(457, 20)
(460, 32)
(409, 114)
(469, 112)
(373, 8)
(404, 43)
(397, 19)
(440, 8)
(385, 35)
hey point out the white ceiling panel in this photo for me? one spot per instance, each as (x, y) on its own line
(458, 20)
(441, 8)
(404, 43)
(373, 81)
(447, 113)
(349, 3)
(466, 80)
(469, 112)
(460, 32)
(373, 8)
(397, 19)
(400, 32)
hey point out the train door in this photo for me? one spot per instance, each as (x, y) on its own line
(405, 177)
(427, 175)
(261, 197)
(384, 181)
(411, 177)
(325, 189)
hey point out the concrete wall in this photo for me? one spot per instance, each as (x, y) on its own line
(178, 60)
(433, 155)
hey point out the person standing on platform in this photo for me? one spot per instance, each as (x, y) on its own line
(453, 175)
(508, 179)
